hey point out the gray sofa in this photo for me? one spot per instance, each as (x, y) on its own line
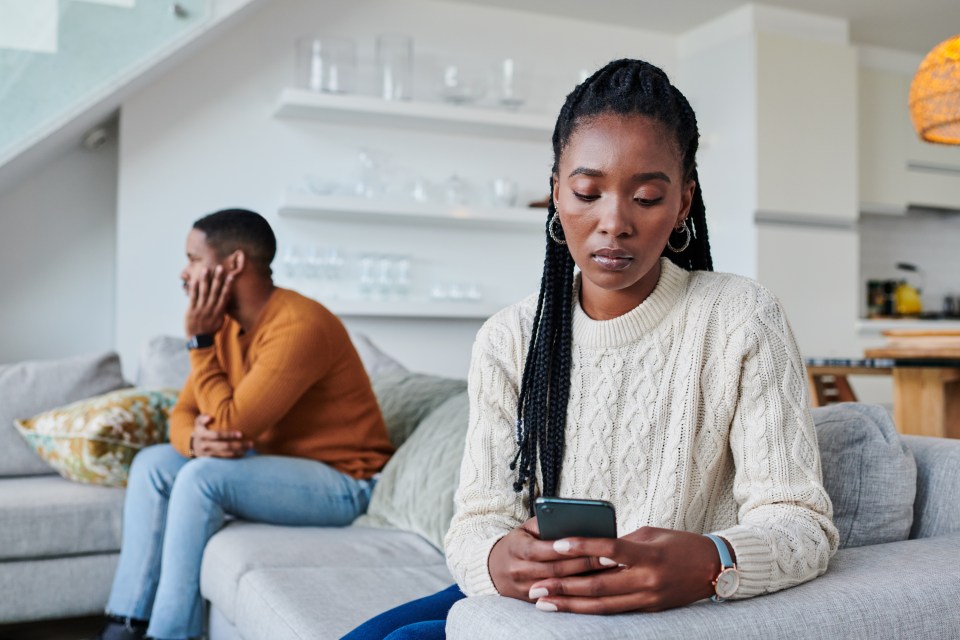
(59, 540)
(895, 577)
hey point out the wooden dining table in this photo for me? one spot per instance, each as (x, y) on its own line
(926, 388)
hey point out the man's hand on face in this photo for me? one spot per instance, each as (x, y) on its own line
(209, 295)
(207, 443)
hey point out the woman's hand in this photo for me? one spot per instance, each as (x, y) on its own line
(521, 558)
(659, 569)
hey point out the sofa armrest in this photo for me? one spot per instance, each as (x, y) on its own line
(900, 590)
(936, 510)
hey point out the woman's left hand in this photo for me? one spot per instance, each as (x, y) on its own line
(659, 569)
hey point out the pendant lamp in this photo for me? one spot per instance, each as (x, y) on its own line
(935, 94)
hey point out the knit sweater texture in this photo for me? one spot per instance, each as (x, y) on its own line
(294, 385)
(689, 412)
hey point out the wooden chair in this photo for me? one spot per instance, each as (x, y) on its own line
(829, 385)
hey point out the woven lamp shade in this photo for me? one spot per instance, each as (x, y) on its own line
(935, 94)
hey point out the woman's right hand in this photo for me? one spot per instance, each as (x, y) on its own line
(521, 558)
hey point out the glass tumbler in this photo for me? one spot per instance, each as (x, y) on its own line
(395, 66)
(509, 84)
(327, 64)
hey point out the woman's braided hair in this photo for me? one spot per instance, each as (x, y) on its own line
(624, 87)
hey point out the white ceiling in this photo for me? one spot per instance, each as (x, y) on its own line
(907, 25)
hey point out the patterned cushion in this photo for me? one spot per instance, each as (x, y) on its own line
(27, 388)
(415, 492)
(94, 440)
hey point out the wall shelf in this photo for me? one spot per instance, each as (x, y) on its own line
(422, 116)
(424, 309)
(352, 209)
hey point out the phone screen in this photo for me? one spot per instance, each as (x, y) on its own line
(572, 517)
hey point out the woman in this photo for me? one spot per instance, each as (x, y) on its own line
(675, 393)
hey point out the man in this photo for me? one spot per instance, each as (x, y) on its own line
(276, 423)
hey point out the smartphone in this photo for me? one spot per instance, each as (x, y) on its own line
(572, 517)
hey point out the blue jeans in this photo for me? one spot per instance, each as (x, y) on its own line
(175, 504)
(423, 619)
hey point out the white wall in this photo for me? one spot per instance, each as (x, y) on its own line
(718, 77)
(202, 138)
(57, 259)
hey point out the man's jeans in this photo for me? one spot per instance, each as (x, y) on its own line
(174, 505)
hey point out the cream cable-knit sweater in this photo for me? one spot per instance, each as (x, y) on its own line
(689, 412)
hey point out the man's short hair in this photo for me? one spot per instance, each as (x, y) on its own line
(232, 229)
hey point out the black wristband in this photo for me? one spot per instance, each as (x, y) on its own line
(200, 341)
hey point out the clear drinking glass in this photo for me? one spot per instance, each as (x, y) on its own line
(327, 64)
(461, 82)
(395, 66)
(510, 84)
(504, 192)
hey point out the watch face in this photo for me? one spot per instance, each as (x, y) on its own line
(727, 583)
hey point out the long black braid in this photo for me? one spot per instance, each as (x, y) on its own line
(625, 87)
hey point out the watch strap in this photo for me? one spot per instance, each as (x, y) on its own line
(200, 341)
(727, 567)
(726, 562)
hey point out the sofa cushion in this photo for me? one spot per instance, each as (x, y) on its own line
(49, 516)
(164, 363)
(869, 473)
(406, 398)
(936, 511)
(895, 591)
(50, 588)
(415, 491)
(375, 361)
(27, 388)
(94, 440)
(320, 604)
(242, 547)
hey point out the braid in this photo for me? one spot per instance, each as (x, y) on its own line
(625, 87)
(546, 374)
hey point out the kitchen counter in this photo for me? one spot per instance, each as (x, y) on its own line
(872, 328)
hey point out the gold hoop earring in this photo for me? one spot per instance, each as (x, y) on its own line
(686, 240)
(552, 230)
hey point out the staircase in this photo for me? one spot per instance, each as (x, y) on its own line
(63, 60)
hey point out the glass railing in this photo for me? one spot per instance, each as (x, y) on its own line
(58, 56)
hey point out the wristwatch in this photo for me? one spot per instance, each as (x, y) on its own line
(728, 580)
(200, 341)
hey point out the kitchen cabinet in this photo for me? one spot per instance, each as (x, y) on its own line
(883, 130)
(897, 168)
(806, 129)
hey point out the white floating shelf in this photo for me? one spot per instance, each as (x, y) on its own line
(423, 116)
(352, 209)
(426, 309)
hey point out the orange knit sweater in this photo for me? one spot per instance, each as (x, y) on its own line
(294, 385)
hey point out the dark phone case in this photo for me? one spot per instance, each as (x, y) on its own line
(569, 518)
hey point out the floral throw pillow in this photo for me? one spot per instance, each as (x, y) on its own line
(94, 440)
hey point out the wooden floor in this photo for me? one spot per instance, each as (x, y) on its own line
(74, 629)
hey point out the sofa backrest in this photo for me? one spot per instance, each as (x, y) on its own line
(165, 363)
(936, 511)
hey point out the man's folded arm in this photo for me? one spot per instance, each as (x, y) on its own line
(287, 364)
